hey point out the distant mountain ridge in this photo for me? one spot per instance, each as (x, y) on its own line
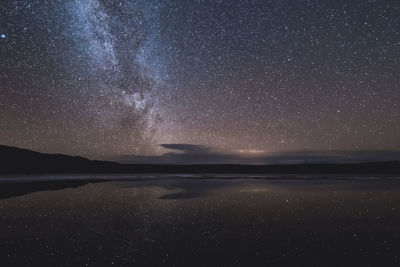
(22, 161)
(18, 160)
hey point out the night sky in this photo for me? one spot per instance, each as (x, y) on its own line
(102, 78)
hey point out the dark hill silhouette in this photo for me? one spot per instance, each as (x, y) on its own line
(22, 161)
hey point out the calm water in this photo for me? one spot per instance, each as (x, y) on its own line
(201, 222)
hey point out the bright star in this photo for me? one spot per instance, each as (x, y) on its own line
(3, 36)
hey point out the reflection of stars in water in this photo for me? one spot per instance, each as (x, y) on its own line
(125, 223)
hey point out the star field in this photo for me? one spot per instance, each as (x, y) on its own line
(103, 78)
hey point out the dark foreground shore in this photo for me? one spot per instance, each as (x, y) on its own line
(200, 222)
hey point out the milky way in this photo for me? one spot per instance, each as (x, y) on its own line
(105, 78)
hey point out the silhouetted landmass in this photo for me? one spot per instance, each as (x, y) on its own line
(21, 161)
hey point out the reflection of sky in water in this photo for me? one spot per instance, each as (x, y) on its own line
(189, 222)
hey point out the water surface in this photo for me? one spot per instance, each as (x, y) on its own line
(180, 221)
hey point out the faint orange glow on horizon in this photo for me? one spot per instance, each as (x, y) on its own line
(251, 151)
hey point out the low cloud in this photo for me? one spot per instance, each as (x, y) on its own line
(199, 154)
